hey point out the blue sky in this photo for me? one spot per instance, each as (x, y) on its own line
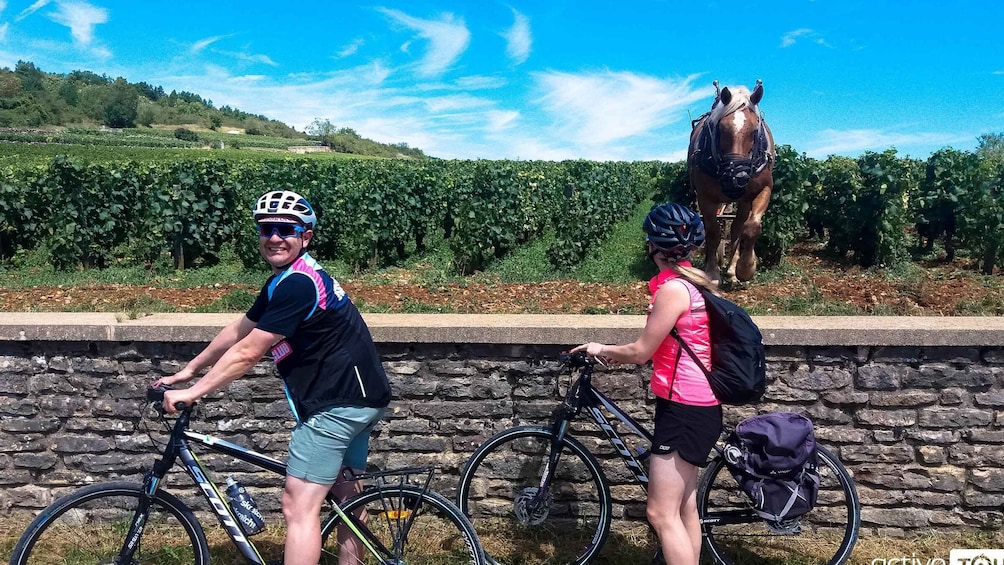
(554, 79)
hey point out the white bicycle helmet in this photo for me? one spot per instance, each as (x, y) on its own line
(285, 203)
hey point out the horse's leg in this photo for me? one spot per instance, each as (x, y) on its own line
(735, 233)
(748, 234)
(712, 238)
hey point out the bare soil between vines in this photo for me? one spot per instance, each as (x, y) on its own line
(937, 289)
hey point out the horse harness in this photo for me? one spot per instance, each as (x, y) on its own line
(733, 171)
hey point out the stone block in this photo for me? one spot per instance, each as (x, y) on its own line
(846, 398)
(876, 454)
(931, 455)
(941, 418)
(886, 418)
(992, 399)
(72, 443)
(988, 480)
(976, 456)
(896, 517)
(902, 398)
(881, 377)
(895, 355)
(782, 393)
(934, 436)
(819, 378)
(942, 375)
(479, 409)
(35, 461)
(11, 383)
(828, 434)
(12, 406)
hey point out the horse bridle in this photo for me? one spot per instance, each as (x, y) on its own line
(734, 170)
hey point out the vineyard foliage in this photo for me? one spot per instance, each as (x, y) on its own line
(82, 210)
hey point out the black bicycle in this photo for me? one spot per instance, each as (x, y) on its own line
(545, 490)
(396, 518)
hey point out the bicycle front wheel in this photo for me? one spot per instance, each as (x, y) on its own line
(500, 490)
(90, 526)
(404, 524)
(733, 534)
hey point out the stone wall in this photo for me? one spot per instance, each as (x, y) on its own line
(920, 426)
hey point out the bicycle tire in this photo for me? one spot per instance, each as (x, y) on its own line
(828, 532)
(440, 533)
(506, 470)
(89, 525)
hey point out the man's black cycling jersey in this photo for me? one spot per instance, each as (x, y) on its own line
(327, 357)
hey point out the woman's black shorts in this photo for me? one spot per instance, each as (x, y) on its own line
(689, 430)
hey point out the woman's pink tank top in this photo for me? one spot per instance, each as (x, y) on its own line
(684, 383)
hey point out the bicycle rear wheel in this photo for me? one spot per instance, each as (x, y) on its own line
(498, 491)
(90, 525)
(407, 524)
(733, 534)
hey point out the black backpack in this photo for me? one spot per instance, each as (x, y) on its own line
(738, 372)
(773, 458)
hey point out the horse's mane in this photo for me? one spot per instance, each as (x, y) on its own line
(740, 99)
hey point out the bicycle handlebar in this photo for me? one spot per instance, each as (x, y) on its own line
(155, 395)
(577, 359)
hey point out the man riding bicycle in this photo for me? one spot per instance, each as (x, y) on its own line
(331, 371)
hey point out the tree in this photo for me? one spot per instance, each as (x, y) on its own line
(122, 107)
(31, 77)
(991, 147)
(68, 91)
(146, 115)
(323, 130)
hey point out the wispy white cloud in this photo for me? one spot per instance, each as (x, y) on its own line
(350, 49)
(38, 5)
(250, 57)
(853, 141)
(81, 18)
(998, 72)
(3, 32)
(448, 38)
(203, 43)
(518, 39)
(501, 120)
(790, 38)
(3, 5)
(598, 108)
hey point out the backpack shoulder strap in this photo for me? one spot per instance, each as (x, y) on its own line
(683, 344)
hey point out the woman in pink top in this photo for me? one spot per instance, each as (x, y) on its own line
(688, 417)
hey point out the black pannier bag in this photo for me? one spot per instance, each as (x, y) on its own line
(773, 458)
(738, 372)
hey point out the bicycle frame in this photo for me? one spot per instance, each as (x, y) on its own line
(179, 446)
(582, 395)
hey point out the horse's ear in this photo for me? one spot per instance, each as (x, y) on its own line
(757, 93)
(726, 96)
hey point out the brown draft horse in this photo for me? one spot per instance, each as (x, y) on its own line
(731, 159)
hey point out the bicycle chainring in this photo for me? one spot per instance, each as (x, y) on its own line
(530, 509)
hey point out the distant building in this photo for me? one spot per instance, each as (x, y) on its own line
(308, 148)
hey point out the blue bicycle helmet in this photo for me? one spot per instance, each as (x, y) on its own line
(674, 229)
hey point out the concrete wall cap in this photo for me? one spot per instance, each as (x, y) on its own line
(515, 329)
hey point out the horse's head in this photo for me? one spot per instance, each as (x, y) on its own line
(737, 139)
